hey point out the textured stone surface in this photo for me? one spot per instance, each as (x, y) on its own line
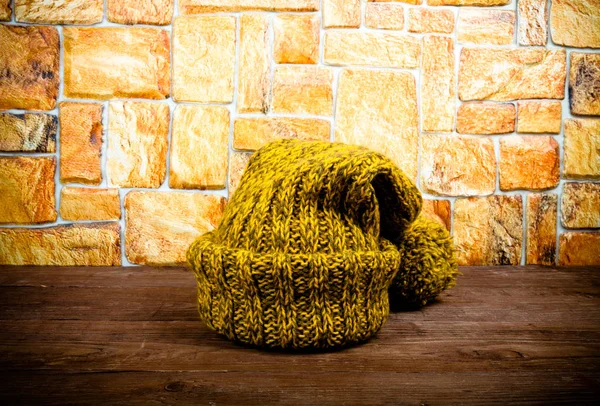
(78, 203)
(457, 165)
(157, 12)
(341, 13)
(199, 148)
(237, 165)
(533, 22)
(579, 248)
(381, 49)
(541, 228)
(254, 68)
(27, 132)
(484, 26)
(80, 142)
(582, 149)
(5, 10)
(253, 133)
(82, 12)
(27, 190)
(539, 117)
(212, 6)
(486, 118)
(303, 89)
(29, 59)
(204, 58)
(137, 144)
(580, 205)
(387, 16)
(430, 20)
(575, 23)
(438, 211)
(296, 38)
(584, 84)
(467, 2)
(529, 162)
(510, 74)
(160, 226)
(488, 230)
(438, 84)
(378, 109)
(116, 62)
(94, 244)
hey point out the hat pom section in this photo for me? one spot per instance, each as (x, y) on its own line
(428, 264)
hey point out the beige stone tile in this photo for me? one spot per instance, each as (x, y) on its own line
(483, 26)
(579, 248)
(238, 161)
(438, 84)
(31, 55)
(575, 23)
(341, 13)
(488, 230)
(254, 68)
(29, 132)
(539, 117)
(438, 211)
(378, 109)
(78, 203)
(413, 2)
(27, 190)
(430, 20)
(457, 165)
(252, 133)
(533, 22)
(92, 244)
(160, 226)
(199, 147)
(80, 142)
(303, 89)
(511, 74)
(387, 16)
(529, 162)
(582, 148)
(156, 12)
(481, 3)
(116, 62)
(212, 6)
(296, 38)
(5, 10)
(486, 118)
(81, 12)
(204, 58)
(137, 144)
(541, 228)
(584, 81)
(580, 205)
(371, 48)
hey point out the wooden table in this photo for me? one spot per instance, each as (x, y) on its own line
(527, 335)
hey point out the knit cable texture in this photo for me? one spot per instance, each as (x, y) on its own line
(302, 254)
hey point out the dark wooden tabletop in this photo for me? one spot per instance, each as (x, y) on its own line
(503, 335)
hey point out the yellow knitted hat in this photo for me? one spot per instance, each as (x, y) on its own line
(301, 256)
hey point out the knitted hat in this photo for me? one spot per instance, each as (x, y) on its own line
(301, 256)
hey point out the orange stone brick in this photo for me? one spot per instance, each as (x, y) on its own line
(78, 203)
(31, 56)
(533, 22)
(28, 132)
(27, 190)
(539, 117)
(457, 165)
(303, 89)
(481, 3)
(580, 205)
(488, 230)
(575, 23)
(482, 26)
(584, 81)
(214, 6)
(5, 10)
(116, 62)
(157, 12)
(341, 13)
(424, 20)
(238, 161)
(254, 68)
(80, 142)
(83, 12)
(541, 228)
(438, 84)
(438, 211)
(387, 16)
(529, 162)
(92, 244)
(296, 38)
(252, 133)
(582, 149)
(579, 248)
(486, 118)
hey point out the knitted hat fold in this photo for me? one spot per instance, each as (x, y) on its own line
(301, 256)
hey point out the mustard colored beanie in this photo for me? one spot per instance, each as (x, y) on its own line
(302, 256)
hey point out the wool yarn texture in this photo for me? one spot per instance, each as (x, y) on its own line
(303, 254)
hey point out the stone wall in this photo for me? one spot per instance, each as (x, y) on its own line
(126, 124)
